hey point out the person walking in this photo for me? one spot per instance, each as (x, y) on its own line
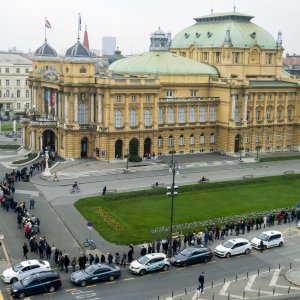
(31, 202)
(123, 261)
(104, 191)
(25, 250)
(73, 263)
(201, 282)
(261, 245)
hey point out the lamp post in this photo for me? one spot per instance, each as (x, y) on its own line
(127, 153)
(257, 149)
(173, 168)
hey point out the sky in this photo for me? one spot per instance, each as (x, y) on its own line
(132, 21)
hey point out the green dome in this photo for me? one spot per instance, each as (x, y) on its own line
(210, 31)
(161, 62)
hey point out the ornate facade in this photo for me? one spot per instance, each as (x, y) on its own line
(217, 86)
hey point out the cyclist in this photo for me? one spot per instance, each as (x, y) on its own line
(75, 185)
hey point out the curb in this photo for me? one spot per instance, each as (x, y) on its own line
(289, 276)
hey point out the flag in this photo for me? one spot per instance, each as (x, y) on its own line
(79, 22)
(47, 24)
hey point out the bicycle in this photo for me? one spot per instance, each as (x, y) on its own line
(75, 189)
(89, 244)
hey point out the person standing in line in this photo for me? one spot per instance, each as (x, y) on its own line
(31, 202)
(25, 250)
(201, 282)
(104, 191)
(97, 259)
(73, 263)
(66, 263)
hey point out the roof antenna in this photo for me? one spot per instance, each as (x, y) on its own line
(212, 7)
(234, 6)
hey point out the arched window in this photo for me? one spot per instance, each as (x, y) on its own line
(82, 114)
(279, 114)
(192, 115)
(161, 116)
(181, 140)
(159, 142)
(170, 141)
(118, 118)
(212, 114)
(171, 119)
(212, 138)
(202, 138)
(181, 115)
(202, 114)
(268, 115)
(192, 139)
(147, 117)
(132, 118)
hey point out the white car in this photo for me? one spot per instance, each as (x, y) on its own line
(24, 269)
(233, 247)
(148, 263)
(270, 239)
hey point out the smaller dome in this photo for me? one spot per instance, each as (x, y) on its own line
(116, 56)
(45, 50)
(78, 50)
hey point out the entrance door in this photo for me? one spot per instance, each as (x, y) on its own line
(118, 149)
(147, 147)
(134, 147)
(237, 142)
(48, 140)
(84, 147)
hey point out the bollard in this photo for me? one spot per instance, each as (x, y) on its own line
(258, 294)
(269, 268)
(258, 272)
(224, 279)
(247, 275)
(243, 294)
(289, 289)
(213, 297)
(158, 298)
(228, 296)
(185, 291)
(279, 267)
(235, 277)
(212, 284)
(172, 295)
(273, 291)
(290, 265)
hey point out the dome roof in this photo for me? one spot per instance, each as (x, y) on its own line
(78, 50)
(116, 56)
(161, 62)
(210, 31)
(45, 50)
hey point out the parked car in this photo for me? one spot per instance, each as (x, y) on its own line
(47, 281)
(233, 247)
(270, 239)
(94, 273)
(24, 269)
(149, 263)
(191, 255)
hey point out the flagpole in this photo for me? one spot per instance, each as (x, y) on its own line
(78, 38)
(45, 30)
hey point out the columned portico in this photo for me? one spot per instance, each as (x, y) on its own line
(246, 97)
(233, 106)
(100, 119)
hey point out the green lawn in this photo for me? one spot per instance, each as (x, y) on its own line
(279, 158)
(28, 158)
(9, 126)
(137, 213)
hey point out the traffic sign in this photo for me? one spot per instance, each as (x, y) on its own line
(1, 237)
(89, 225)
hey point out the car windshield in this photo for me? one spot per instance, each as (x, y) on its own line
(90, 270)
(17, 267)
(26, 280)
(228, 244)
(143, 260)
(263, 237)
(186, 252)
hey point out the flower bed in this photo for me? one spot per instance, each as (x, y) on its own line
(108, 219)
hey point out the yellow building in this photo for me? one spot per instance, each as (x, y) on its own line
(217, 86)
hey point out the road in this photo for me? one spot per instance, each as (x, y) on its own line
(54, 208)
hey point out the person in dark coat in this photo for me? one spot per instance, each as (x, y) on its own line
(143, 251)
(261, 245)
(104, 191)
(109, 258)
(66, 263)
(102, 259)
(130, 254)
(201, 282)
(25, 250)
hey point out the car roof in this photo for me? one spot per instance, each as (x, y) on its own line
(238, 240)
(152, 255)
(29, 262)
(44, 274)
(197, 247)
(271, 232)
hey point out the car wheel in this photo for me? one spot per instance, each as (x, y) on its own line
(228, 255)
(83, 283)
(142, 272)
(21, 295)
(13, 280)
(111, 278)
(280, 244)
(165, 268)
(247, 251)
(185, 264)
(51, 289)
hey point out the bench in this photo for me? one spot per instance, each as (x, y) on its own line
(248, 176)
(157, 185)
(289, 172)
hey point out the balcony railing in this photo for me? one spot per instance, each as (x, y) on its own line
(190, 99)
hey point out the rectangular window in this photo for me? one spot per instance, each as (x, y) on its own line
(148, 98)
(171, 119)
(260, 96)
(170, 141)
(192, 114)
(18, 70)
(289, 136)
(236, 57)
(0, 82)
(160, 116)
(205, 56)
(280, 96)
(279, 114)
(26, 82)
(258, 115)
(257, 139)
(218, 57)
(8, 106)
(290, 115)
(26, 70)
(27, 106)
(202, 114)
(18, 82)
(268, 115)
(169, 94)
(181, 115)
(18, 105)
(181, 140)
(7, 94)
(212, 114)
(194, 93)
(27, 93)
(247, 139)
(278, 136)
(269, 58)
(18, 93)
(133, 98)
(118, 98)
(81, 70)
(269, 96)
(192, 140)
(159, 142)
(7, 82)
(6, 70)
(202, 139)
(248, 115)
(268, 137)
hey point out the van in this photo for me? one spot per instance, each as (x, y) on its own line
(270, 239)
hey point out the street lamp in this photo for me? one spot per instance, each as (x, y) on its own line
(173, 168)
(127, 153)
(257, 149)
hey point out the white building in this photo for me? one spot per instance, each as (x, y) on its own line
(14, 89)
(109, 45)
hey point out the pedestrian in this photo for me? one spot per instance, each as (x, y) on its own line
(109, 258)
(66, 263)
(261, 245)
(117, 258)
(201, 282)
(102, 259)
(25, 250)
(91, 258)
(123, 261)
(31, 202)
(104, 191)
(143, 251)
(61, 262)
(130, 254)
(81, 262)
(73, 263)
(48, 251)
(56, 254)
(97, 259)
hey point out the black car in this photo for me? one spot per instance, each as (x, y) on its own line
(94, 273)
(191, 255)
(43, 282)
